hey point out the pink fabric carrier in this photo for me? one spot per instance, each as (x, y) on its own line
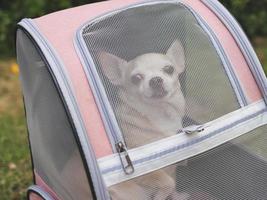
(147, 100)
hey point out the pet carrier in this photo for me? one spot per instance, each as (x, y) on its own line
(129, 99)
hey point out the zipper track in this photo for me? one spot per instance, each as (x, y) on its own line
(191, 143)
(39, 191)
(99, 188)
(105, 108)
(99, 94)
(244, 45)
(163, 153)
(111, 125)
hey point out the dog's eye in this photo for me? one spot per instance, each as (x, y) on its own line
(136, 79)
(168, 69)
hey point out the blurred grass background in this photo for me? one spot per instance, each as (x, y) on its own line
(15, 164)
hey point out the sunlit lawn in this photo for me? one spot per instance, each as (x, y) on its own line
(15, 166)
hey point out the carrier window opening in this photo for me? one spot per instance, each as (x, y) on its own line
(189, 44)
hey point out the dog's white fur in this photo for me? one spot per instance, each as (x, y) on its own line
(149, 110)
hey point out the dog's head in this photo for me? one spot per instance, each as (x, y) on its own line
(151, 77)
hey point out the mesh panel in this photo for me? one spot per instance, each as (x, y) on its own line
(55, 153)
(234, 170)
(160, 71)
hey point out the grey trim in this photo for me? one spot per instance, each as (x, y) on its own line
(188, 144)
(65, 85)
(101, 98)
(38, 190)
(243, 43)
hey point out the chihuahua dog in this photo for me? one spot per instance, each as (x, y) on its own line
(151, 107)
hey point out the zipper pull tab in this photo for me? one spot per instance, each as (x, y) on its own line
(194, 129)
(125, 158)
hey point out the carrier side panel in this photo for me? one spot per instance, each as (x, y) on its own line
(57, 162)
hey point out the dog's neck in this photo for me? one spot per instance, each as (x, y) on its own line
(165, 115)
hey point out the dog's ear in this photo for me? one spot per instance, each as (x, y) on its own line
(176, 54)
(112, 66)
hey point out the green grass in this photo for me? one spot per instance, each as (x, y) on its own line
(15, 175)
(15, 164)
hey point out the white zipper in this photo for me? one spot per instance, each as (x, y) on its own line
(174, 149)
(112, 128)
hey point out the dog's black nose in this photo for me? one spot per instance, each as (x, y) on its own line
(156, 82)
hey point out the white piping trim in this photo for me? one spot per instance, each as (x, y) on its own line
(182, 146)
(40, 192)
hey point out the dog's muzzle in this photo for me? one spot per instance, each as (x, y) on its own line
(157, 86)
